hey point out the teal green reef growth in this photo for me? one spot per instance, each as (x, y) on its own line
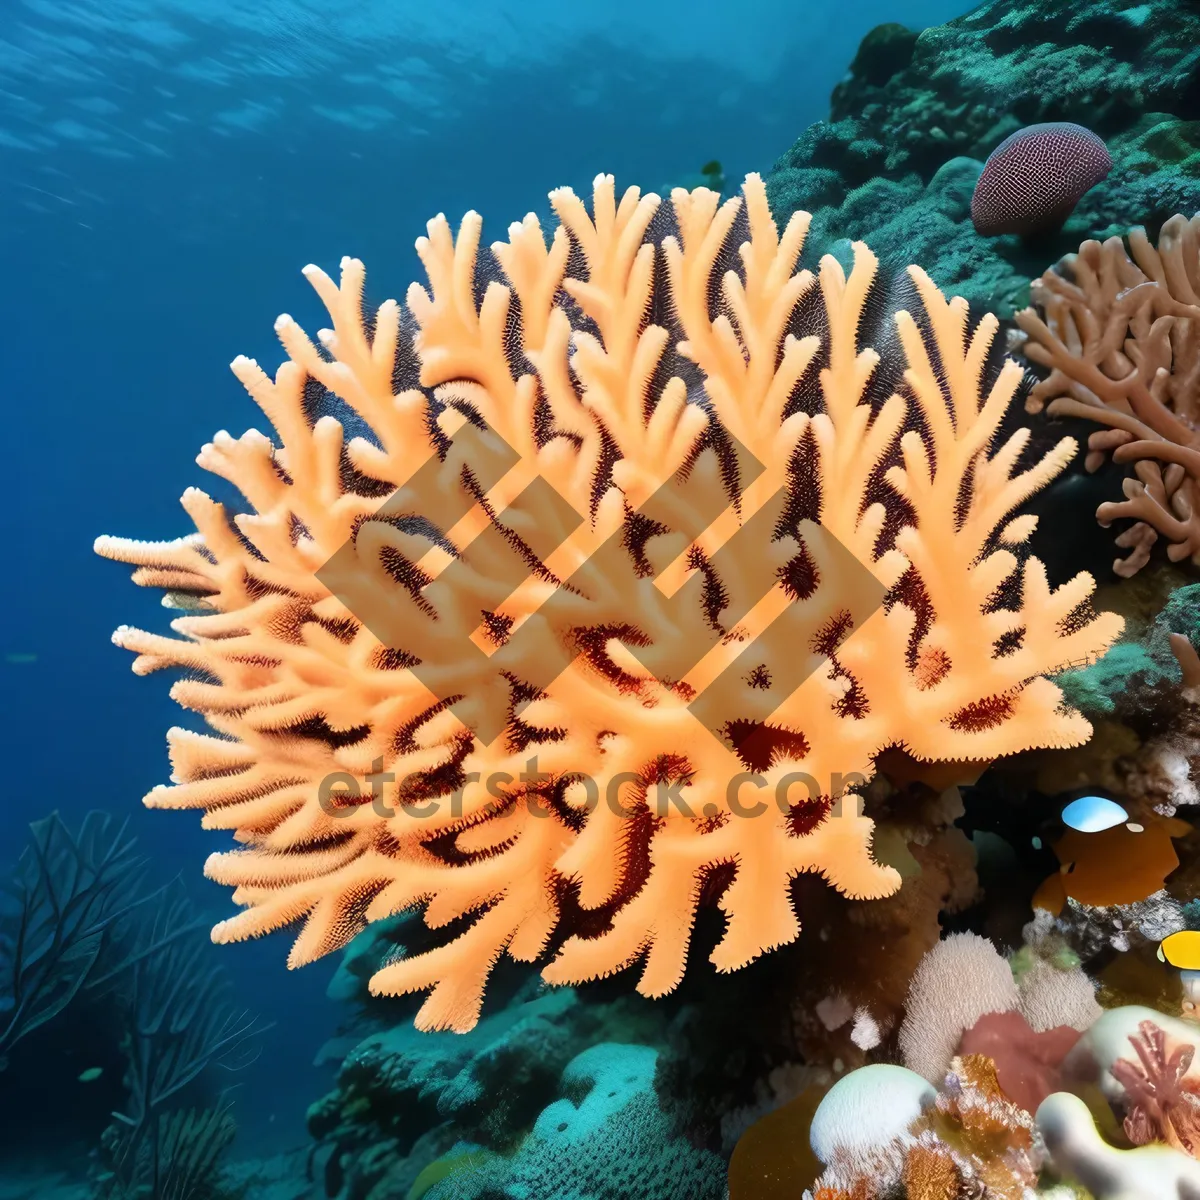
(606, 1139)
(913, 121)
(537, 1100)
(1132, 668)
(448, 1116)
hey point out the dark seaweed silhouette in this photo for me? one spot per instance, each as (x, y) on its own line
(65, 900)
(177, 1158)
(180, 1017)
(80, 922)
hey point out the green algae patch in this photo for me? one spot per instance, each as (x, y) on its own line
(445, 1168)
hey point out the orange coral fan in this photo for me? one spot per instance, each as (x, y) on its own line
(601, 497)
(1121, 337)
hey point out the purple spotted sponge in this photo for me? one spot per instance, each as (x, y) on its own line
(1032, 181)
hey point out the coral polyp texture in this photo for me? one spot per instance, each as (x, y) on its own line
(1032, 181)
(568, 593)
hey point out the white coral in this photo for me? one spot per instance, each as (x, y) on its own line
(1174, 760)
(961, 979)
(866, 1111)
(1078, 1151)
(1051, 996)
(867, 1033)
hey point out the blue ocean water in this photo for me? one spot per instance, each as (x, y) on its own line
(166, 168)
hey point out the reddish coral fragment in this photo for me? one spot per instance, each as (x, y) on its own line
(1163, 1107)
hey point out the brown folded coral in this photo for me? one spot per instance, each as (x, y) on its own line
(1120, 333)
(630, 513)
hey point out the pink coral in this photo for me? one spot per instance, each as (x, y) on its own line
(1163, 1106)
(1027, 1063)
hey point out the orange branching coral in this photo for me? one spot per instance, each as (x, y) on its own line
(519, 546)
(1121, 338)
